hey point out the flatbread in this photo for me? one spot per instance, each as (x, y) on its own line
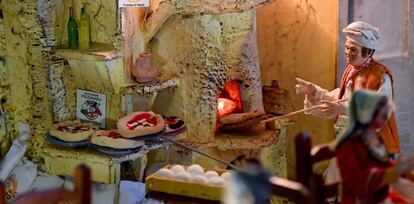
(239, 117)
(72, 131)
(140, 124)
(112, 139)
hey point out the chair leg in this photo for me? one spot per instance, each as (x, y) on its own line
(2, 194)
(317, 192)
(303, 158)
(83, 184)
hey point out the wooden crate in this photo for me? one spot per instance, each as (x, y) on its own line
(184, 188)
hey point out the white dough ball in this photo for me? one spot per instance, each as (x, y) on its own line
(165, 173)
(195, 169)
(216, 181)
(183, 176)
(177, 169)
(199, 179)
(210, 174)
(226, 176)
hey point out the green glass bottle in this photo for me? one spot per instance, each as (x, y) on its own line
(72, 31)
(84, 30)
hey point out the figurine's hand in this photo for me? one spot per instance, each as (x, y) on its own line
(348, 90)
(405, 164)
(304, 87)
(331, 108)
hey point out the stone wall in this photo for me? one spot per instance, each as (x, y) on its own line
(26, 61)
(4, 91)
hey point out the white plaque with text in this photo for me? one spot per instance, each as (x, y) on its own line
(133, 3)
(91, 107)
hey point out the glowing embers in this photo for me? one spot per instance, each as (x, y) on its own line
(230, 101)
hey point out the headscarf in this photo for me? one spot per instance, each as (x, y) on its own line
(363, 34)
(363, 105)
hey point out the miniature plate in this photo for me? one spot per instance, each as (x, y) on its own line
(114, 152)
(176, 132)
(149, 138)
(62, 143)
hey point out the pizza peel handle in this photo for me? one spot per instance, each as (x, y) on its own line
(299, 111)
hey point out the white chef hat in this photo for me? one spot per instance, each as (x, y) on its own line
(362, 34)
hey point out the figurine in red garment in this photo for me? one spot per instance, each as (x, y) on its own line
(362, 157)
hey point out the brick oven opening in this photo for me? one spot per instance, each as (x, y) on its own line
(233, 114)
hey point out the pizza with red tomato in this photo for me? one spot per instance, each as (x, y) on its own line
(140, 124)
(112, 139)
(72, 131)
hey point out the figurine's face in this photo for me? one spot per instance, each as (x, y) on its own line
(382, 117)
(353, 53)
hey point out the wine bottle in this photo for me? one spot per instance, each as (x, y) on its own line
(84, 30)
(72, 31)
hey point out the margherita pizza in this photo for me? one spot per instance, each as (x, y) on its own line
(112, 139)
(72, 131)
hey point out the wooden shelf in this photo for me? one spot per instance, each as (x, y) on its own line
(97, 52)
(163, 82)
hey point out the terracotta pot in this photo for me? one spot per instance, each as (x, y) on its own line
(143, 71)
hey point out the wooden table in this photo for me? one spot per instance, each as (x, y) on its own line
(176, 199)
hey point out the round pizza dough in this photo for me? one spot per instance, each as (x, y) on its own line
(72, 131)
(140, 124)
(112, 139)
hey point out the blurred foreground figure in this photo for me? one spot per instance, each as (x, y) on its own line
(249, 186)
(365, 167)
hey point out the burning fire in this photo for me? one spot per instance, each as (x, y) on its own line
(226, 106)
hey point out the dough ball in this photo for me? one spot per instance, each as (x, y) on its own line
(216, 181)
(165, 173)
(177, 169)
(195, 169)
(226, 175)
(183, 176)
(199, 179)
(210, 174)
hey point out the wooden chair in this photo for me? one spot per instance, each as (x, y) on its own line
(81, 194)
(306, 157)
(292, 190)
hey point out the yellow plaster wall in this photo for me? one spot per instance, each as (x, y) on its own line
(4, 91)
(298, 39)
(28, 100)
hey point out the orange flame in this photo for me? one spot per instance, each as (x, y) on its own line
(225, 106)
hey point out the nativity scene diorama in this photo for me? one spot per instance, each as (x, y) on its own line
(230, 101)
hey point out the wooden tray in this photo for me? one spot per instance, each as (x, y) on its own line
(183, 188)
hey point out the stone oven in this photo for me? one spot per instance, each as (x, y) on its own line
(216, 63)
